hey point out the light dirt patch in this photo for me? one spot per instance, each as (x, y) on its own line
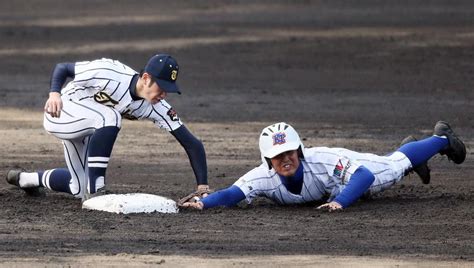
(126, 260)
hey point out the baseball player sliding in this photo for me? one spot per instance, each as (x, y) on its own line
(291, 173)
(86, 115)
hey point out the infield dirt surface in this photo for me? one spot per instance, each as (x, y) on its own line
(356, 74)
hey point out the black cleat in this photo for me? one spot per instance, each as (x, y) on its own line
(422, 170)
(13, 178)
(456, 151)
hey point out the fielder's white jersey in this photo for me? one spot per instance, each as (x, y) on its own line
(326, 172)
(107, 82)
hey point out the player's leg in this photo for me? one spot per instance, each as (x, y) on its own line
(72, 180)
(76, 179)
(390, 169)
(101, 144)
(101, 122)
(444, 141)
(422, 150)
(423, 170)
(32, 181)
(100, 149)
(387, 170)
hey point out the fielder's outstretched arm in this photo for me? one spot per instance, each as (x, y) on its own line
(195, 151)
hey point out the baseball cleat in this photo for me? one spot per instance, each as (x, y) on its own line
(422, 170)
(456, 151)
(99, 192)
(13, 178)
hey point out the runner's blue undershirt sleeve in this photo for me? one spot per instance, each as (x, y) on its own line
(195, 151)
(358, 184)
(60, 74)
(228, 197)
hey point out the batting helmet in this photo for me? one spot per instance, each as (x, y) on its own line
(276, 139)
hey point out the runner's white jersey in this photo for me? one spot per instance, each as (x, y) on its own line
(107, 81)
(326, 172)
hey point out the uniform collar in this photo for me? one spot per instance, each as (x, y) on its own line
(133, 88)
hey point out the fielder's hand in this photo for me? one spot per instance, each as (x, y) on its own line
(204, 190)
(331, 206)
(54, 104)
(194, 197)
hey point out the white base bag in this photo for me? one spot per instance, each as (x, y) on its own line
(131, 203)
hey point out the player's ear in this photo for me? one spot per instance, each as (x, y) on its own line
(145, 75)
(147, 78)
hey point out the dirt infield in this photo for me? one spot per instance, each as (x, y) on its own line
(361, 76)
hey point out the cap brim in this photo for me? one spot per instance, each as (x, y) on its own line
(278, 149)
(167, 86)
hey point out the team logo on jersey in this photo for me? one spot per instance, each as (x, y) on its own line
(340, 171)
(172, 114)
(174, 75)
(279, 138)
(105, 99)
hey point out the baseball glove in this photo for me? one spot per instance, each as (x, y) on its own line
(194, 196)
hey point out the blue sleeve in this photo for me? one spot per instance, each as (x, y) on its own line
(60, 74)
(228, 197)
(195, 151)
(358, 184)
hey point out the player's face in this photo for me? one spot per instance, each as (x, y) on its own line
(152, 92)
(157, 94)
(286, 163)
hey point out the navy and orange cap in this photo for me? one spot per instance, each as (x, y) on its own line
(164, 70)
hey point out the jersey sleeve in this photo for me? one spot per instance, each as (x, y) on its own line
(358, 184)
(60, 74)
(337, 162)
(161, 114)
(254, 183)
(340, 165)
(227, 197)
(344, 168)
(164, 116)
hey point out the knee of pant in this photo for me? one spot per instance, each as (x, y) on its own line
(110, 118)
(76, 187)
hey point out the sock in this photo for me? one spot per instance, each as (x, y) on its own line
(57, 180)
(421, 151)
(100, 149)
(30, 179)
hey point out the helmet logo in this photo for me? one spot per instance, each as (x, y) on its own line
(279, 138)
